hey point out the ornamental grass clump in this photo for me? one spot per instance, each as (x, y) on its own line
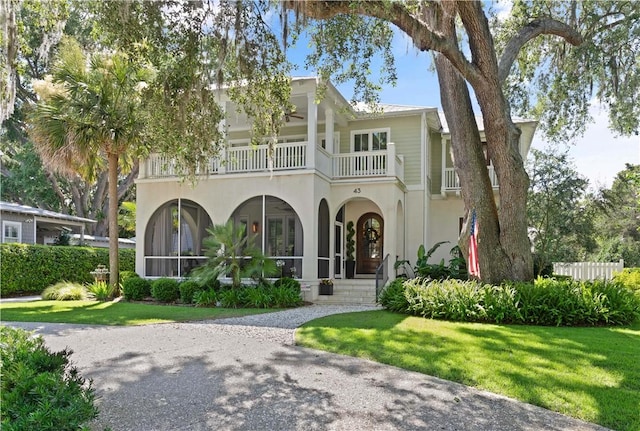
(101, 290)
(546, 302)
(65, 291)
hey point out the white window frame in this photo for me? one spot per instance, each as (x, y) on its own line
(17, 225)
(369, 132)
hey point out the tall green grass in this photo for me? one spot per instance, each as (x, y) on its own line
(546, 302)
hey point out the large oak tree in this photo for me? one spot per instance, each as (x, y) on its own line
(475, 60)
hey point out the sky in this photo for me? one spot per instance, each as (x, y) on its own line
(599, 155)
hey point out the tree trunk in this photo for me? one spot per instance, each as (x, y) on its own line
(113, 220)
(470, 163)
(503, 144)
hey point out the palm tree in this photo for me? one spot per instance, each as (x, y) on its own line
(91, 111)
(232, 254)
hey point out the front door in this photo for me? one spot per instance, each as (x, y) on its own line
(369, 241)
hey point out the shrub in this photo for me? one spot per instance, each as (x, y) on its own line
(65, 291)
(230, 298)
(165, 289)
(205, 298)
(545, 302)
(26, 268)
(39, 389)
(101, 290)
(629, 277)
(256, 297)
(136, 288)
(125, 275)
(187, 289)
(288, 282)
(284, 296)
(393, 298)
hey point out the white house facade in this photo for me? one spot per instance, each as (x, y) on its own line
(390, 174)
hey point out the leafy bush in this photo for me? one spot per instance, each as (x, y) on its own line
(26, 268)
(545, 302)
(165, 290)
(187, 289)
(136, 288)
(231, 298)
(455, 268)
(205, 298)
(39, 389)
(124, 275)
(629, 277)
(284, 296)
(101, 290)
(393, 298)
(289, 283)
(256, 297)
(65, 291)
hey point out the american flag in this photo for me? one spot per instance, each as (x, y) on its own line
(474, 265)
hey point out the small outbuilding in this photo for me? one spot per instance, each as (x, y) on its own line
(29, 225)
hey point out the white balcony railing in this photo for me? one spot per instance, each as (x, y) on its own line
(289, 156)
(451, 182)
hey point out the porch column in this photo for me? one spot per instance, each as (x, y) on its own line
(444, 167)
(328, 130)
(391, 159)
(312, 129)
(142, 170)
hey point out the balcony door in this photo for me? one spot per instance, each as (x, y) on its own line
(369, 243)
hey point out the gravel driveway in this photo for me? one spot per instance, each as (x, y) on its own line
(246, 374)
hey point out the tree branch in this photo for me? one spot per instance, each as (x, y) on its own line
(533, 29)
(125, 185)
(397, 13)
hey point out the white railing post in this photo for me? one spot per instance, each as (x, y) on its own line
(391, 159)
(444, 167)
(222, 161)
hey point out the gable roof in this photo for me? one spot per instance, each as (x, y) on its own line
(480, 122)
(27, 210)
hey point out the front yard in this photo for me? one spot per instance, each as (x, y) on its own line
(113, 313)
(588, 373)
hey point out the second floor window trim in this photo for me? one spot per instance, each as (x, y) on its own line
(370, 139)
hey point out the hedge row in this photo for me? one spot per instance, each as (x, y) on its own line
(26, 268)
(546, 302)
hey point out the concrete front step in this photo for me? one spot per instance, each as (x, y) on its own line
(350, 292)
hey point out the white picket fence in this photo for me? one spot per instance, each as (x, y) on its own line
(588, 270)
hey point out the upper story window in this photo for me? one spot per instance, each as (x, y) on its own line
(11, 231)
(370, 140)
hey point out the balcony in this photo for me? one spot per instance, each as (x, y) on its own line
(451, 182)
(287, 157)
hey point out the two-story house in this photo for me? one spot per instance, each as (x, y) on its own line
(389, 173)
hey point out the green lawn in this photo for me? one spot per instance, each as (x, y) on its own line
(588, 373)
(111, 313)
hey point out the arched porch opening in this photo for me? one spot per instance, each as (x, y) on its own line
(173, 239)
(277, 229)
